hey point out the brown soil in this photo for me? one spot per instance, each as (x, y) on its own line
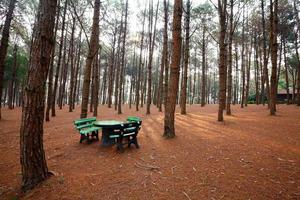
(250, 156)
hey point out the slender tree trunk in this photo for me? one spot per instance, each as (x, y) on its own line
(93, 49)
(243, 64)
(77, 73)
(229, 74)
(296, 13)
(13, 80)
(248, 74)
(96, 82)
(73, 68)
(111, 70)
(118, 66)
(104, 84)
(59, 60)
(222, 58)
(274, 47)
(265, 70)
(286, 73)
(169, 128)
(151, 48)
(186, 59)
(123, 59)
(63, 74)
(50, 76)
(203, 88)
(256, 70)
(4, 43)
(137, 93)
(92, 88)
(33, 160)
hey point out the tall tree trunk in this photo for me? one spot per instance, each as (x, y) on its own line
(95, 102)
(91, 99)
(77, 73)
(296, 13)
(166, 60)
(274, 47)
(256, 70)
(265, 91)
(138, 83)
(186, 57)
(63, 74)
(93, 48)
(73, 68)
(222, 57)
(4, 44)
(123, 59)
(203, 88)
(169, 120)
(286, 73)
(243, 63)
(50, 76)
(13, 80)
(151, 48)
(118, 66)
(59, 60)
(236, 85)
(33, 160)
(104, 84)
(229, 74)
(111, 70)
(248, 73)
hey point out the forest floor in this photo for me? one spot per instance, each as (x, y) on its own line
(250, 156)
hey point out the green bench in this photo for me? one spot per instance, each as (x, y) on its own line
(86, 129)
(127, 133)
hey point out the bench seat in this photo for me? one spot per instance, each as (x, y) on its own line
(85, 131)
(86, 128)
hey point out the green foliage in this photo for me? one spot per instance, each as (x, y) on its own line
(22, 63)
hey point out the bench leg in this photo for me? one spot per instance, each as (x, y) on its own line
(97, 135)
(136, 142)
(129, 141)
(83, 137)
(120, 147)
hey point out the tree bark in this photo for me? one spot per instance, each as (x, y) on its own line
(138, 83)
(95, 102)
(169, 120)
(286, 73)
(73, 68)
(222, 58)
(50, 76)
(123, 59)
(111, 70)
(274, 47)
(33, 161)
(229, 74)
(203, 88)
(151, 48)
(59, 60)
(265, 70)
(186, 58)
(93, 48)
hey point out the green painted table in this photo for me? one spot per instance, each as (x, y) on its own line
(107, 127)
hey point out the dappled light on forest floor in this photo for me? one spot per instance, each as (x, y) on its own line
(251, 154)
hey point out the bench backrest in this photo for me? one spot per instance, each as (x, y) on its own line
(84, 121)
(130, 127)
(134, 119)
(84, 126)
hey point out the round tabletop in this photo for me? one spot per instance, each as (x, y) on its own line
(108, 123)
